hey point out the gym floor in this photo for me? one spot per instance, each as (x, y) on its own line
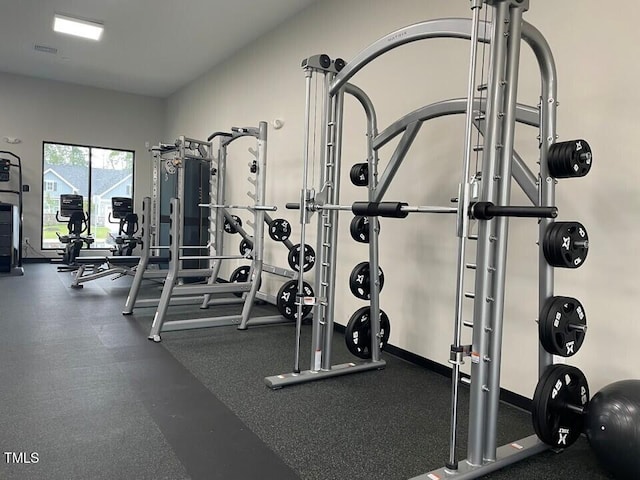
(87, 392)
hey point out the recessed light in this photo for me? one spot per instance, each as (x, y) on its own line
(78, 27)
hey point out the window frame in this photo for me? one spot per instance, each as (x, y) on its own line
(89, 196)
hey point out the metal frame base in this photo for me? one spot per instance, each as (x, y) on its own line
(211, 322)
(279, 381)
(505, 455)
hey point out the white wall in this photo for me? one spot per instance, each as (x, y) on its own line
(598, 102)
(36, 110)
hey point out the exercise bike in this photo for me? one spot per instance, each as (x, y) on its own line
(125, 240)
(77, 223)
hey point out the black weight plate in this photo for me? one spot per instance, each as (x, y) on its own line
(241, 275)
(566, 244)
(230, 227)
(294, 258)
(544, 313)
(360, 281)
(246, 247)
(551, 246)
(280, 230)
(358, 332)
(553, 422)
(359, 229)
(572, 254)
(570, 159)
(559, 324)
(583, 159)
(556, 248)
(286, 301)
(359, 174)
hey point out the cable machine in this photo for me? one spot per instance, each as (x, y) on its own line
(11, 217)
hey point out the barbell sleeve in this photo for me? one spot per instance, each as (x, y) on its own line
(487, 211)
(270, 208)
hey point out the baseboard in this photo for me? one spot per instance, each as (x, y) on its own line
(506, 396)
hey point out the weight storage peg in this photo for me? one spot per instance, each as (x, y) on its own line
(569, 159)
(566, 244)
(294, 258)
(230, 227)
(360, 281)
(359, 174)
(562, 326)
(241, 275)
(286, 301)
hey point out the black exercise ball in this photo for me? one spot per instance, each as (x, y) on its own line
(613, 428)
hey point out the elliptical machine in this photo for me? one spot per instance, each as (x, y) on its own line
(126, 242)
(77, 223)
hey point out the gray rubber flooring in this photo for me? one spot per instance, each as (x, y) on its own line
(84, 389)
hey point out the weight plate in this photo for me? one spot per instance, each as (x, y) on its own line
(570, 159)
(286, 301)
(280, 230)
(246, 247)
(562, 326)
(358, 332)
(294, 258)
(230, 227)
(359, 174)
(241, 275)
(566, 244)
(554, 423)
(360, 282)
(359, 229)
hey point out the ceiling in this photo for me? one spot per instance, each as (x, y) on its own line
(149, 47)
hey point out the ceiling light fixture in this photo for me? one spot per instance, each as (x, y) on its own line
(77, 27)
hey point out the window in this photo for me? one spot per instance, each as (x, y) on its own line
(96, 173)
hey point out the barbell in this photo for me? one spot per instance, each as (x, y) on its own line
(477, 210)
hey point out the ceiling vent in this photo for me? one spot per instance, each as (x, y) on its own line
(45, 49)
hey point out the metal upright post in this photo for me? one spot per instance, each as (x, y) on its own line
(172, 276)
(258, 229)
(502, 230)
(334, 151)
(462, 232)
(304, 215)
(216, 222)
(546, 187)
(143, 264)
(220, 197)
(486, 263)
(320, 312)
(374, 264)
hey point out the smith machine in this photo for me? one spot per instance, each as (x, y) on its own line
(483, 207)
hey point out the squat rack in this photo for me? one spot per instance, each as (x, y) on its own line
(248, 289)
(490, 191)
